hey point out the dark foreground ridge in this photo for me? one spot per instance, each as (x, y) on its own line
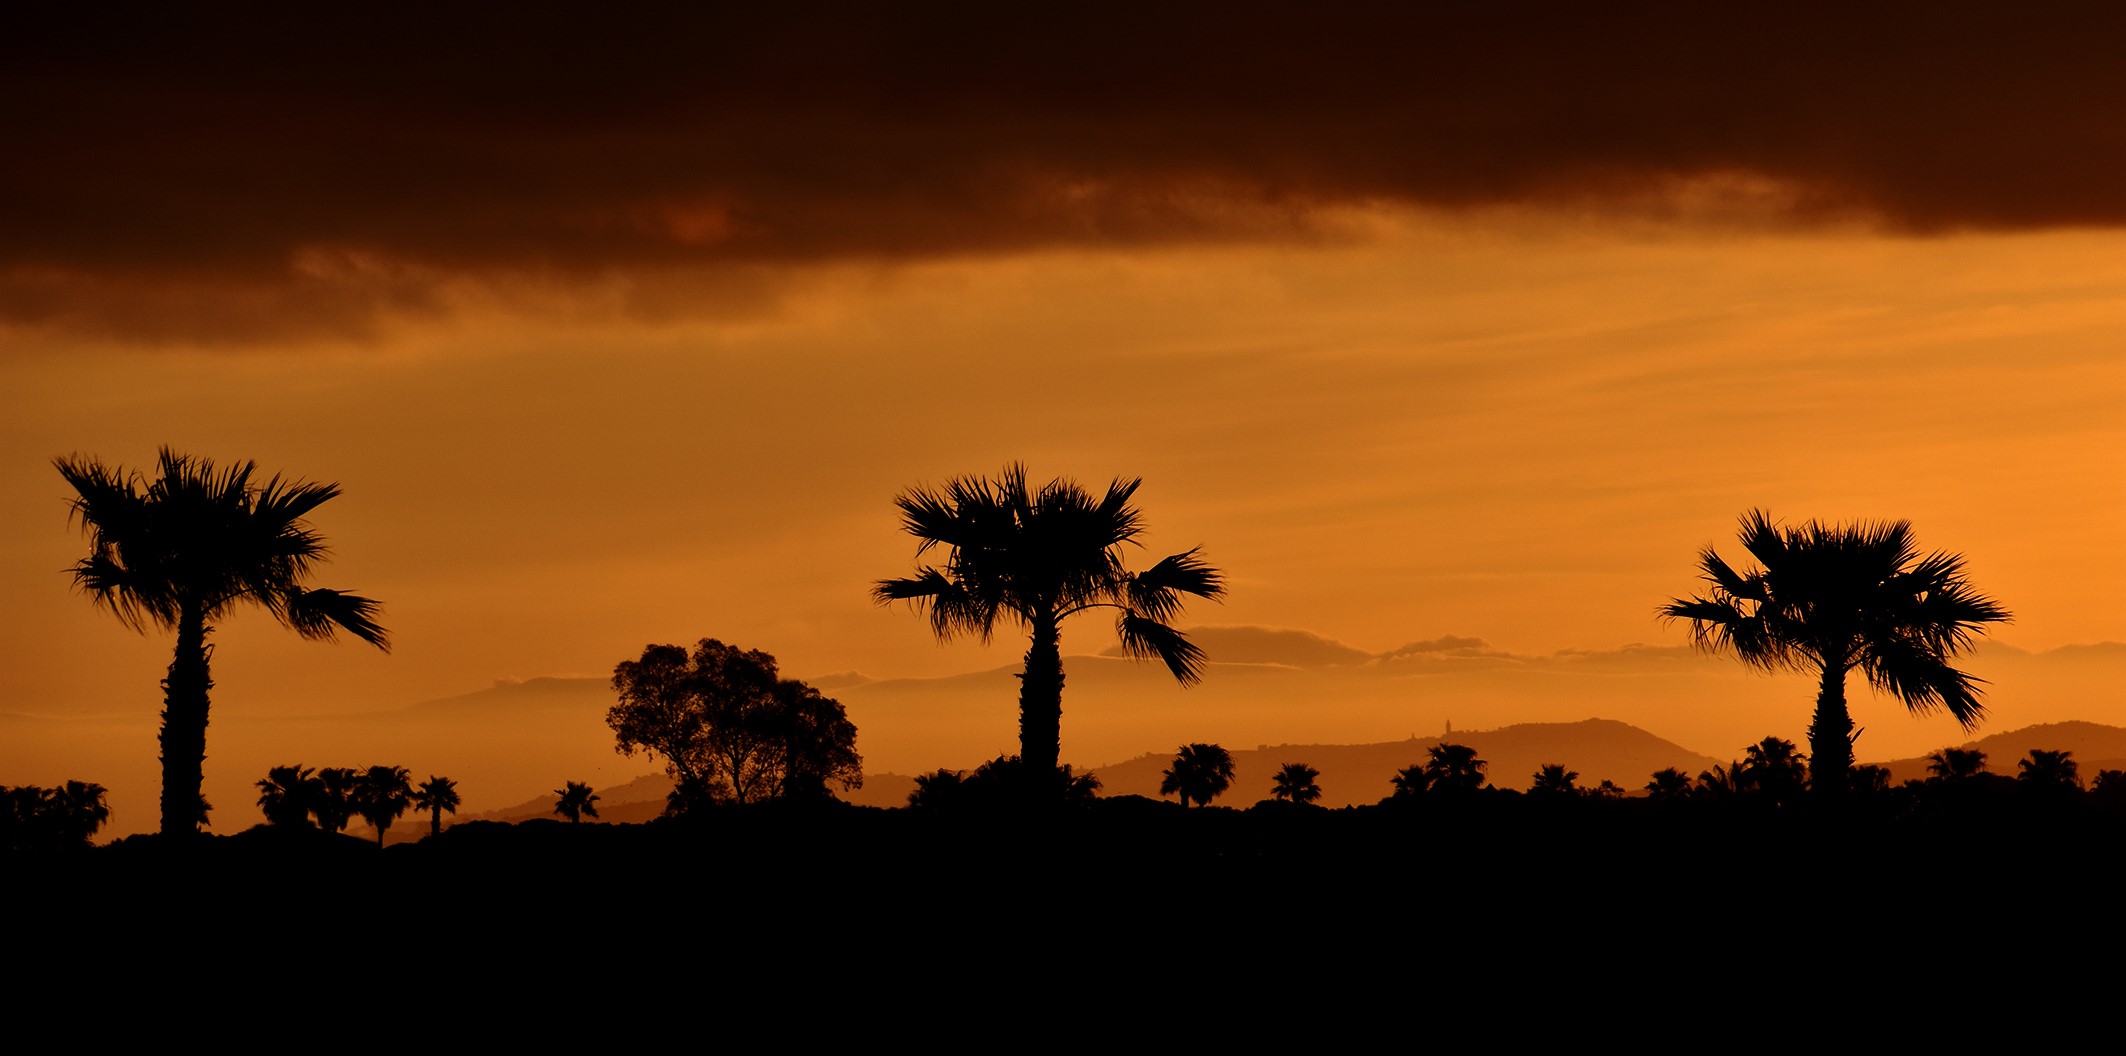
(907, 922)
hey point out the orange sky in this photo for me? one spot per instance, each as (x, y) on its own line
(1463, 326)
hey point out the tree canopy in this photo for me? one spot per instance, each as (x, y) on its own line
(729, 728)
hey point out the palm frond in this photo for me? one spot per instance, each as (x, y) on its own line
(1156, 591)
(1911, 670)
(1144, 638)
(317, 613)
(953, 609)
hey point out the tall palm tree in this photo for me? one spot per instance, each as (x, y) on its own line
(1036, 558)
(576, 800)
(381, 794)
(182, 550)
(1296, 783)
(1201, 772)
(1833, 598)
(436, 795)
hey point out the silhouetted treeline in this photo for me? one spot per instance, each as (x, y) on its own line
(36, 819)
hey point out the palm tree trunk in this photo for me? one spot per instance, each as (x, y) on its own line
(184, 726)
(1831, 734)
(1041, 703)
(435, 822)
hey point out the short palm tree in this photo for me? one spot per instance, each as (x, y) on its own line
(1454, 768)
(1774, 768)
(1552, 779)
(1668, 784)
(335, 797)
(436, 795)
(1201, 772)
(79, 808)
(2047, 769)
(1410, 782)
(1296, 783)
(1955, 764)
(381, 794)
(577, 800)
(288, 794)
(1834, 598)
(184, 549)
(1036, 558)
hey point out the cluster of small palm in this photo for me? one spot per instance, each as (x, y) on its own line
(34, 818)
(300, 797)
(1452, 770)
(1773, 771)
(1000, 782)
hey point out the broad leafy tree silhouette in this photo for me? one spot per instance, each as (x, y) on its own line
(1036, 558)
(1200, 772)
(182, 550)
(730, 728)
(1833, 598)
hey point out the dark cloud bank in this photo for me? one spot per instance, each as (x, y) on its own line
(265, 159)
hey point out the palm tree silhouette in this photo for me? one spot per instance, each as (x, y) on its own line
(576, 801)
(182, 551)
(1410, 782)
(288, 794)
(381, 794)
(2049, 770)
(1774, 769)
(1454, 768)
(78, 809)
(436, 795)
(1201, 772)
(1955, 764)
(1832, 598)
(1552, 779)
(1037, 558)
(1668, 784)
(335, 797)
(1296, 783)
